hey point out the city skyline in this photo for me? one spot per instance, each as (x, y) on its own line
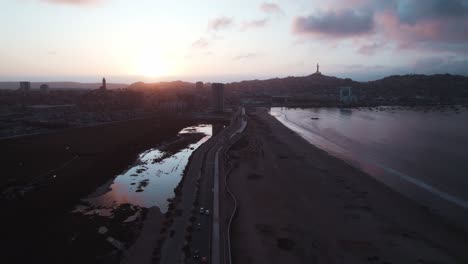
(73, 40)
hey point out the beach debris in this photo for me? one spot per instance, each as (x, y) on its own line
(132, 217)
(102, 230)
(116, 243)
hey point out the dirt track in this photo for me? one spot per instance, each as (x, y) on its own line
(297, 204)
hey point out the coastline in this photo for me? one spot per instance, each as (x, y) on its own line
(299, 204)
(439, 188)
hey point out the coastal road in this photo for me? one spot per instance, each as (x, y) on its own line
(208, 241)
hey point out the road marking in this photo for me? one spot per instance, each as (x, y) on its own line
(215, 245)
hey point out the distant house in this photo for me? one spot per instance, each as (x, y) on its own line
(346, 95)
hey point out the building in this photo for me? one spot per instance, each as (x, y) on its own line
(218, 97)
(25, 86)
(346, 95)
(44, 88)
(199, 85)
(103, 86)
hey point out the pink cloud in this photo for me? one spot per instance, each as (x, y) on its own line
(271, 8)
(434, 25)
(428, 31)
(254, 24)
(74, 2)
(220, 23)
(200, 43)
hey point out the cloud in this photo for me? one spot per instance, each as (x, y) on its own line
(254, 24)
(271, 8)
(341, 23)
(370, 49)
(432, 25)
(428, 33)
(73, 2)
(220, 23)
(433, 65)
(200, 43)
(244, 56)
(412, 11)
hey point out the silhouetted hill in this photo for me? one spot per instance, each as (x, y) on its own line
(161, 85)
(401, 84)
(290, 84)
(62, 85)
(415, 85)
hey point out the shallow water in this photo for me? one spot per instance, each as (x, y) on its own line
(426, 148)
(151, 180)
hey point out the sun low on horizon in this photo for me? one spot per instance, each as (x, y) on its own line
(230, 40)
(151, 65)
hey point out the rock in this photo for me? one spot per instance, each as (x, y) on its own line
(102, 230)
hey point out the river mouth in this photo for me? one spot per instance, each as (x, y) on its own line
(151, 180)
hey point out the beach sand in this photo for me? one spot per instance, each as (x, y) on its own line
(297, 204)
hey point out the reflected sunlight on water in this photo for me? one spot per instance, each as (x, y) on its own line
(153, 178)
(425, 147)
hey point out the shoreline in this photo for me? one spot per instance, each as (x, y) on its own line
(326, 210)
(448, 203)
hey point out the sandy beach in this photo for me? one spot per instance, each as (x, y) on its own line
(297, 204)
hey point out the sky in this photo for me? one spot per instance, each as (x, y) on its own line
(224, 41)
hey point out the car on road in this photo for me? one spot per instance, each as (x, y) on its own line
(202, 210)
(207, 212)
(196, 254)
(204, 260)
(198, 226)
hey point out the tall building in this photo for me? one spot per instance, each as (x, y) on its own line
(103, 87)
(218, 97)
(25, 86)
(199, 85)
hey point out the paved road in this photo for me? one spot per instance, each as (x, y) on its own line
(206, 164)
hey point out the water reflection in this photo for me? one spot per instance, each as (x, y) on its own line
(346, 112)
(151, 181)
(415, 146)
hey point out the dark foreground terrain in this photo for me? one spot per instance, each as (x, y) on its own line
(44, 177)
(297, 204)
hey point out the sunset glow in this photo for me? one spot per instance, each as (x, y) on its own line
(230, 40)
(151, 65)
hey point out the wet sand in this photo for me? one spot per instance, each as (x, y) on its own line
(38, 227)
(297, 204)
